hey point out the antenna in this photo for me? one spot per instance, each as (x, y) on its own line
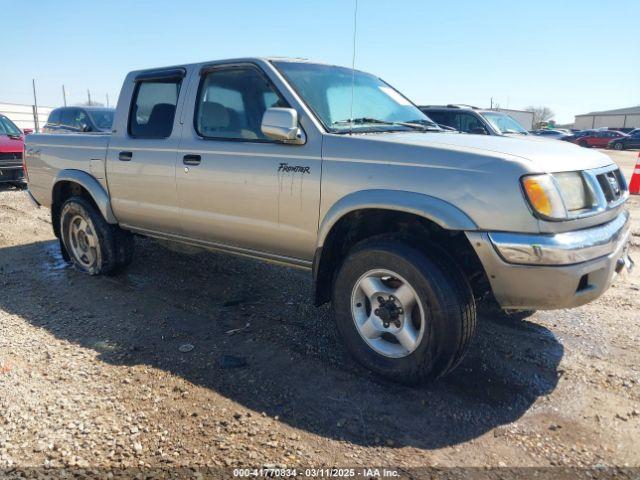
(353, 61)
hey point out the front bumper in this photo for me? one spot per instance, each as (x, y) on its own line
(11, 173)
(553, 271)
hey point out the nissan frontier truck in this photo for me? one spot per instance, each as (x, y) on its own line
(404, 226)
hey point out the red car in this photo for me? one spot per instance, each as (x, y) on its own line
(11, 145)
(594, 138)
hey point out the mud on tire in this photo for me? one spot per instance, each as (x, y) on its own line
(89, 242)
(442, 292)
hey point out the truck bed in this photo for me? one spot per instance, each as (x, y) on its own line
(48, 154)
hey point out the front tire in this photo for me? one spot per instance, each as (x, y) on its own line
(89, 242)
(405, 314)
(583, 144)
(618, 146)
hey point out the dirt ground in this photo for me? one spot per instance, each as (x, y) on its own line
(95, 372)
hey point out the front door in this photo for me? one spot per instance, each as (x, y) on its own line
(141, 159)
(236, 187)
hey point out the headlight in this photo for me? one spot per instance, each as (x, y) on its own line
(557, 196)
(544, 197)
(575, 193)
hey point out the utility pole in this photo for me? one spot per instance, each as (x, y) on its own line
(107, 100)
(491, 107)
(35, 106)
(64, 95)
(89, 97)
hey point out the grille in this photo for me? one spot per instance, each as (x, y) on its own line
(11, 156)
(613, 185)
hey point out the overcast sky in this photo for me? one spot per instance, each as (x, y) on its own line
(573, 56)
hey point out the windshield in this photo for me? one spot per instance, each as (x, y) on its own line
(503, 123)
(7, 127)
(327, 90)
(102, 119)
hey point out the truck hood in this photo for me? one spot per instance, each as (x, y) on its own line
(10, 145)
(538, 154)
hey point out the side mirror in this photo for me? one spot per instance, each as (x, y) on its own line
(282, 124)
(85, 128)
(27, 131)
(478, 131)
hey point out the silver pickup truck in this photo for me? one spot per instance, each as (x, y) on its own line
(404, 226)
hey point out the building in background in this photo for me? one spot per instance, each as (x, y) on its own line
(24, 116)
(623, 118)
(523, 117)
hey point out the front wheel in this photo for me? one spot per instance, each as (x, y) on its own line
(583, 144)
(93, 245)
(406, 314)
(618, 146)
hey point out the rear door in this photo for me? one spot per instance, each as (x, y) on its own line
(141, 159)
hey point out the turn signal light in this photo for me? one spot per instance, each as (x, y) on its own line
(544, 197)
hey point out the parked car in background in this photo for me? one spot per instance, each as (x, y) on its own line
(634, 131)
(468, 119)
(549, 133)
(594, 138)
(79, 120)
(627, 141)
(11, 146)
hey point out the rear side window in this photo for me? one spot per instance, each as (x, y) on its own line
(154, 108)
(54, 117)
(439, 117)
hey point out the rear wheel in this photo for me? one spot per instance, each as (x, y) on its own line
(89, 242)
(583, 143)
(403, 313)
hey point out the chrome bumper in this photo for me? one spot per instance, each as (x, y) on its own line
(564, 248)
(553, 271)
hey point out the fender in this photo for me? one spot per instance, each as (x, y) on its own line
(91, 185)
(438, 211)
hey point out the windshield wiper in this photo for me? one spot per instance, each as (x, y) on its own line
(414, 124)
(508, 130)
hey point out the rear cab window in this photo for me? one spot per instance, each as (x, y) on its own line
(154, 103)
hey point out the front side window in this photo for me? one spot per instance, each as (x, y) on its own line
(82, 120)
(102, 119)
(466, 122)
(329, 90)
(154, 108)
(504, 123)
(232, 101)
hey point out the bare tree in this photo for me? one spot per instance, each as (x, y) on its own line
(540, 115)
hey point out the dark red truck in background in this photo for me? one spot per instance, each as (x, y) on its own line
(11, 145)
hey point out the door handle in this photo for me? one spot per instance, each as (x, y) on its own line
(191, 159)
(125, 156)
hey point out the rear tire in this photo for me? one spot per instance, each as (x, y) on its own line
(441, 320)
(583, 144)
(89, 242)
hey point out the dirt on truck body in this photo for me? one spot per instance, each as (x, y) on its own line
(218, 361)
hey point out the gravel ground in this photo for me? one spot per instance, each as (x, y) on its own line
(212, 360)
